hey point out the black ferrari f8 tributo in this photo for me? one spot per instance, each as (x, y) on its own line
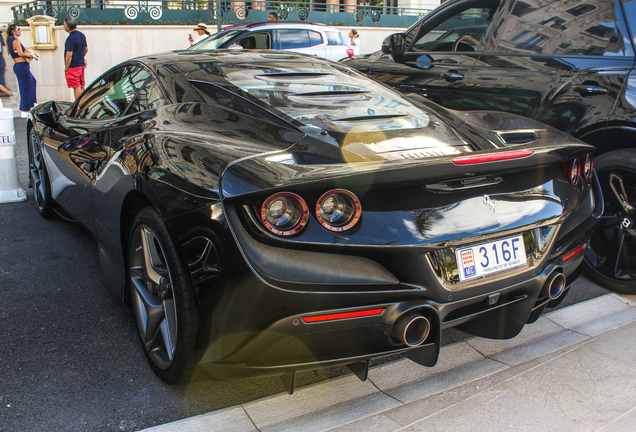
(267, 213)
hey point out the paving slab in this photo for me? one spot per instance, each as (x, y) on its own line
(587, 389)
(376, 423)
(530, 333)
(625, 298)
(412, 412)
(408, 381)
(498, 409)
(534, 341)
(608, 313)
(617, 345)
(226, 420)
(626, 422)
(320, 407)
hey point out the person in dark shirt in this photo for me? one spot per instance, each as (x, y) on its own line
(75, 48)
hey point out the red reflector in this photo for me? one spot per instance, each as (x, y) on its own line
(568, 256)
(493, 157)
(344, 315)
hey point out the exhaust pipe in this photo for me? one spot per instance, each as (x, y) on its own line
(554, 286)
(412, 328)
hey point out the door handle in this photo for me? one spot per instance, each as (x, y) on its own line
(452, 75)
(590, 89)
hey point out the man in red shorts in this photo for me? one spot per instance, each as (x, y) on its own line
(75, 48)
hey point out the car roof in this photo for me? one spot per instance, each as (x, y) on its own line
(283, 25)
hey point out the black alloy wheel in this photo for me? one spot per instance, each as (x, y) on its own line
(611, 259)
(158, 285)
(40, 177)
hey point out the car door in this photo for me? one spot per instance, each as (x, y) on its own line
(440, 52)
(624, 113)
(127, 145)
(301, 41)
(562, 63)
(79, 144)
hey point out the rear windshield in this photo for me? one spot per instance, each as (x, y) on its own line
(320, 95)
(216, 40)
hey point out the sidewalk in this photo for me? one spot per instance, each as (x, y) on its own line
(573, 370)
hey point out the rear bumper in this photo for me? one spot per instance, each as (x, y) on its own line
(292, 344)
(264, 326)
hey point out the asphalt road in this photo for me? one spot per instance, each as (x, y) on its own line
(70, 359)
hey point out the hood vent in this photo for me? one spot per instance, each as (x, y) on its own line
(330, 93)
(369, 117)
(517, 137)
(292, 75)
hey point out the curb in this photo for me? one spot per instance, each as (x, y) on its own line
(400, 393)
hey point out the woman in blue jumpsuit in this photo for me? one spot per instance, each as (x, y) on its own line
(26, 80)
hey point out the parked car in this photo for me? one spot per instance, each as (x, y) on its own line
(567, 64)
(312, 39)
(268, 212)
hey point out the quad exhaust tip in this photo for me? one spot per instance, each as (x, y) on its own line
(412, 328)
(555, 285)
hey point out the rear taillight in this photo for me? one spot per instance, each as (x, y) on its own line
(338, 210)
(491, 157)
(350, 52)
(284, 213)
(588, 167)
(573, 171)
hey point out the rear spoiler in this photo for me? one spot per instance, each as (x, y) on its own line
(275, 171)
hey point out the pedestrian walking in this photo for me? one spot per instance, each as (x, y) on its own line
(354, 42)
(4, 91)
(273, 16)
(201, 33)
(26, 80)
(75, 49)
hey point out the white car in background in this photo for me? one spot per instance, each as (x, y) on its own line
(313, 39)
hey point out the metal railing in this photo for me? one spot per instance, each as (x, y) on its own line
(232, 12)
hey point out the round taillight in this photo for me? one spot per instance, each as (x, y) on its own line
(284, 213)
(574, 171)
(588, 167)
(338, 210)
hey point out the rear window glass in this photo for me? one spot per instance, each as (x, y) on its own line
(315, 38)
(293, 39)
(334, 38)
(322, 95)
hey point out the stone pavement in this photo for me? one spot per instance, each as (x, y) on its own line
(573, 370)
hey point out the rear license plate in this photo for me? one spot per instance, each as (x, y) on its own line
(488, 258)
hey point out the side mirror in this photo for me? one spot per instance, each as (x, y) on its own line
(50, 115)
(394, 44)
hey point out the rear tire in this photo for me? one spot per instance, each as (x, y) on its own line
(611, 259)
(158, 286)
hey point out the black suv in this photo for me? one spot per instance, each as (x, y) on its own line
(568, 64)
